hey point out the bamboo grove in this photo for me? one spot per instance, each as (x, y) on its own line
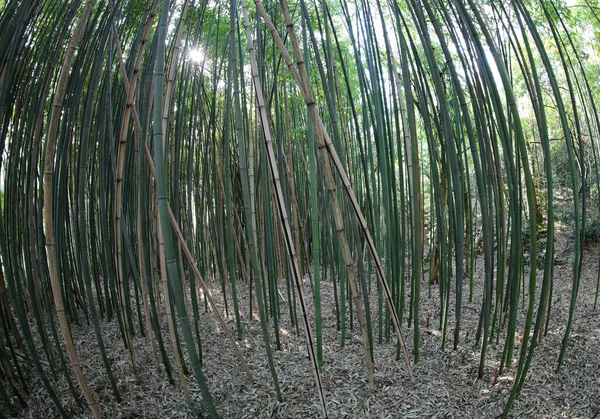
(151, 150)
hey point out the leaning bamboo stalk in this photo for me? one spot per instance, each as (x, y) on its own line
(340, 228)
(171, 324)
(283, 217)
(55, 117)
(345, 247)
(163, 205)
(324, 143)
(175, 224)
(193, 264)
(244, 170)
(207, 294)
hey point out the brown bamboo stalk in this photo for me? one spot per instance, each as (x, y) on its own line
(53, 127)
(175, 224)
(171, 324)
(193, 264)
(327, 150)
(141, 255)
(131, 90)
(283, 217)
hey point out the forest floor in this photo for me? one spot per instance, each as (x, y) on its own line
(446, 380)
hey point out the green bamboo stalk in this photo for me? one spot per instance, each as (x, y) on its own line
(161, 192)
(83, 221)
(250, 231)
(281, 208)
(325, 143)
(228, 192)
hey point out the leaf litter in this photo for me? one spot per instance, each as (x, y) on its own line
(446, 381)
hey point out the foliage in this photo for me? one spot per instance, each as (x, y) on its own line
(591, 233)
(302, 136)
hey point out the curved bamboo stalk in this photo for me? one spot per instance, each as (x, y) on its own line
(577, 206)
(175, 225)
(161, 195)
(53, 127)
(536, 94)
(131, 90)
(481, 186)
(83, 219)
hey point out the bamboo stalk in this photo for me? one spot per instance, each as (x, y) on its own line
(282, 210)
(324, 143)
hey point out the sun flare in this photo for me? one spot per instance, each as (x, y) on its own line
(196, 55)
